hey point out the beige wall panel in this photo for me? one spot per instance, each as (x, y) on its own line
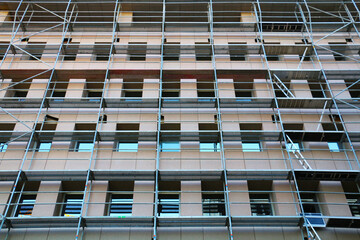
(5, 189)
(239, 198)
(215, 233)
(247, 233)
(334, 204)
(338, 86)
(143, 198)
(190, 198)
(75, 88)
(300, 88)
(60, 159)
(169, 233)
(281, 197)
(192, 233)
(151, 88)
(114, 88)
(47, 197)
(273, 233)
(97, 196)
(188, 88)
(226, 88)
(4, 84)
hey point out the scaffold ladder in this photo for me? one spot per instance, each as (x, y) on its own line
(282, 87)
(297, 154)
(312, 234)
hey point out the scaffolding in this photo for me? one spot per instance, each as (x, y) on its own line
(225, 93)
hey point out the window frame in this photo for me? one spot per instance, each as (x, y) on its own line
(65, 204)
(78, 143)
(265, 203)
(171, 149)
(21, 204)
(122, 202)
(251, 149)
(214, 148)
(118, 149)
(3, 147)
(170, 203)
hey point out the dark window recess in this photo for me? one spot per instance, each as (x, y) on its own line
(171, 126)
(274, 118)
(71, 50)
(171, 89)
(250, 126)
(354, 204)
(94, 94)
(137, 51)
(174, 94)
(203, 51)
(127, 127)
(332, 127)
(272, 58)
(121, 205)
(26, 206)
(168, 204)
(72, 205)
(280, 93)
(59, 94)
(102, 50)
(243, 93)
(354, 90)
(338, 50)
(310, 204)
(35, 49)
(213, 205)
(172, 51)
(204, 94)
(348, 40)
(237, 51)
(134, 94)
(260, 204)
(20, 94)
(293, 126)
(208, 126)
(316, 90)
(307, 58)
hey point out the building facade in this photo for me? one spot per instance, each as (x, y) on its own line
(179, 119)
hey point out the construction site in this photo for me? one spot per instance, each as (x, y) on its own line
(180, 119)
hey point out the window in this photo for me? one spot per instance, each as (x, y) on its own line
(172, 51)
(137, 51)
(168, 205)
(354, 204)
(94, 94)
(3, 147)
(251, 147)
(260, 204)
(26, 206)
(84, 146)
(294, 147)
(203, 51)
(121, 205)
(334, 146)
(237, 51)
(59, 94)
(20, 94)
(43, 147)
(312, 209)
(213, 205)
(127, 147)
(72, 205)
(209, 147)
(170, 147)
